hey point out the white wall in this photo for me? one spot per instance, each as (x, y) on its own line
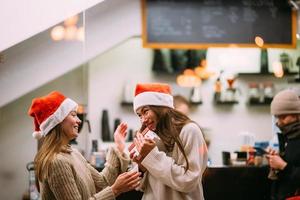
(127, 63)
(21, 19)
(39, 60)
(17, 147)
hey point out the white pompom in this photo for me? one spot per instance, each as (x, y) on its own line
(37, 135)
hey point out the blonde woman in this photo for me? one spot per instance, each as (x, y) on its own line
(62, 171)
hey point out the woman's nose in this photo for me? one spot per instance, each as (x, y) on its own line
(78, 120)
(143, 119)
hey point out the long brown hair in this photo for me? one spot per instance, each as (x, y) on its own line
(51, 145)
(170, 123)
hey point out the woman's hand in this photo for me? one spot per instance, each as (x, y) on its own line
(271, 151)
(143, 145)
(119, 136)
(126, 182)
(276, 162)
(138, 161)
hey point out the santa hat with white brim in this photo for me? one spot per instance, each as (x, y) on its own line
(48, 111)
(152, 94)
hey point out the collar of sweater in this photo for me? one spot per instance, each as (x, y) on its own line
(66, 148)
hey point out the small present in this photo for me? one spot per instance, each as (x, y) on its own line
(147, 133)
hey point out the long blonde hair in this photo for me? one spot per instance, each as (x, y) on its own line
(51, 145)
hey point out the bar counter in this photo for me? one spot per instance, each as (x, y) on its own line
(236, 183)
(228, 182)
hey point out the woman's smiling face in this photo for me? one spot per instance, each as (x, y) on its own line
(147, 117)
(70, 125)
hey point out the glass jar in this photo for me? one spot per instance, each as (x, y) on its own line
(269, 92)
(253, 94)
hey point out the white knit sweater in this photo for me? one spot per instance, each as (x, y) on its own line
(166, 177)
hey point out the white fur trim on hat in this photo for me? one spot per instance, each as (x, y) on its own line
(58, 116)
(152, 99)
(37, 135)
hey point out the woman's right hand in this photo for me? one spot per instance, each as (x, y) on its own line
(276, 162)
(271, 151)
(120, 135)
(144, 145)
(125, 182)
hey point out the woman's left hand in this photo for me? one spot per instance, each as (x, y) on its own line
(143, 145)
(120, 135)
(276, 162)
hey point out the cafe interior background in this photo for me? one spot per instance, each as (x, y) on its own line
(98, 69)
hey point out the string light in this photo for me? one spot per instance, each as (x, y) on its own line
(71, 21)
(188, 79)
(259, 41)
(57, 33)
(70, 33)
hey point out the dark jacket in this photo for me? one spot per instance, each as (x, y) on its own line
(288, 181)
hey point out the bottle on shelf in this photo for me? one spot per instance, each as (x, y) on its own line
(117, 121)
(218, 90)
(264, 65)
(130, 136)
(97, 156)
(269, 92)
(105, 130)
(253, 93)
(196, 96)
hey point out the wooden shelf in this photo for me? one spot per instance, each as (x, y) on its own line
(259, 103)
(263, 74)
(195, 103)
(131, 104)
(226, 102)
(123, 103)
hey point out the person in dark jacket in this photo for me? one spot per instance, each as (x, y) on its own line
(285, 166)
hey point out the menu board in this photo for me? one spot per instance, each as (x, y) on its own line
(192, 24)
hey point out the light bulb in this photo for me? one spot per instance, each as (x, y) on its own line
(80, 34)
(259, 41)
(57, 33)
(70, 33)
(71, 21)
(277, 69)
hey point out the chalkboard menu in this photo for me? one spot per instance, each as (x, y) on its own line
(188, 24)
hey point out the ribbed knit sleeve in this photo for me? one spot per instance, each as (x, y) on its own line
(105, 194)
(65, 185)
(116, 163)
(123, 159)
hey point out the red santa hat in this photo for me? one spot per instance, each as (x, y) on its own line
(48, 111)
(154, 94)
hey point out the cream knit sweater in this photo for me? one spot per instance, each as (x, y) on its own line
(71, 177)
(166, 177)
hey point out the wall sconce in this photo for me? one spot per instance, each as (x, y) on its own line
(57, 33)
(188, 79)
(277, 69)
(202, 72)
(69, 31)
